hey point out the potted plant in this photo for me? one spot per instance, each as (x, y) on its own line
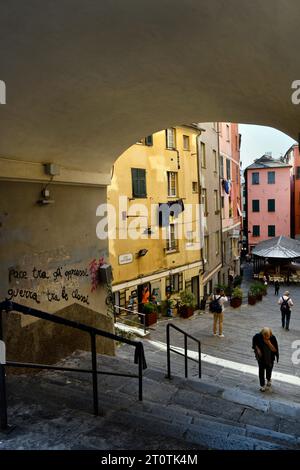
(237, 297)
(264, 289)
(257, 288)
(167, 307)
(251, 296)
(187, 303)
(150, 311)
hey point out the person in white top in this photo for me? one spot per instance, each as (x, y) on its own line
(286, 305)
(219, 317)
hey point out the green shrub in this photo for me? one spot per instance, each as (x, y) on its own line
(149, 308)
(187, 298)
(237, 293)
(256, 288)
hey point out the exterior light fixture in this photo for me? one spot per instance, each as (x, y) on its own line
(142, 252)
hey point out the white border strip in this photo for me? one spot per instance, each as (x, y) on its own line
(286, 378)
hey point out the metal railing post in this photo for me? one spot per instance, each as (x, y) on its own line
(95, 375)
(168, 353)
(140, 365)
(199, 353)
(185, 357)
(3, 401)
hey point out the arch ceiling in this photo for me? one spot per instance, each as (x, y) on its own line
(86, 79)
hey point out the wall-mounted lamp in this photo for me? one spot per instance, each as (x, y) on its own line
(45, 197)
(142, 252)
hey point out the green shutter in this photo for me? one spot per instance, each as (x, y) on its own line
(138, 182)
(271, 205)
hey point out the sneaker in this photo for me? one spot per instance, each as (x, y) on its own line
(262, 389)
(269, 384)
(214, 334)
(221, 336)
(287, 329)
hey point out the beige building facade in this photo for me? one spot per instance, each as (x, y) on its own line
(209, 178)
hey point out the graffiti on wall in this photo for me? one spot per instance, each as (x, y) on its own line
(57, 285)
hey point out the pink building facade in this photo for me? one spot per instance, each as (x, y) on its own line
(268, 187)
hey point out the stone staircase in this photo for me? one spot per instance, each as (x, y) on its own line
(53, 410)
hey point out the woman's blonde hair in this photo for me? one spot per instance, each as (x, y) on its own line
(266, 331)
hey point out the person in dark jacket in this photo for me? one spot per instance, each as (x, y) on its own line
(266, 349)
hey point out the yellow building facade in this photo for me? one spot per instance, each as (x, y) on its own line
(147, 247)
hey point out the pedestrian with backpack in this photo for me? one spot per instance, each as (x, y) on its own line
(216, 306)
(286, 304)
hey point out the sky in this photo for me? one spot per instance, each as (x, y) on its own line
(257, 140)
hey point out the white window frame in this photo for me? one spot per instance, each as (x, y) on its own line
(172, 192)
(186, 142)
(171, 138)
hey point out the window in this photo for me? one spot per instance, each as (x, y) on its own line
(190, 237)
(203, 155)
(206, 248)
(298, 172)
(171, 240)
(195, 186)
(172, 183)
(228, 172)
(255, 205)
(271, 231)
(216, 201)
(255, 178)
(271, 205)
(256, 231)
(204, 201)
(217, 242)
(146, 140)
(221, 167)
(227, 133)
(138, 176)
(215, 161)
(186, 142)
(271, 177)
(175, 282)
(170, 138)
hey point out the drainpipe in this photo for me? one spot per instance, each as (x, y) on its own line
(199, 194)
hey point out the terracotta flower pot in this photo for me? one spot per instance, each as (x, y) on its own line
(236, 302)
(151, 318)
(186, 312)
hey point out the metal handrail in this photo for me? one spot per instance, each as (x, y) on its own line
(139, 357)
(185, 355)
(133, 313)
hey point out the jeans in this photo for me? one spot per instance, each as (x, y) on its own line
(285, 319)
(262, 368)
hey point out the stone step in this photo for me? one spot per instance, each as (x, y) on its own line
(182, 411)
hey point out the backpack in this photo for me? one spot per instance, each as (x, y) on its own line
(284, 307)
(215, 305)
